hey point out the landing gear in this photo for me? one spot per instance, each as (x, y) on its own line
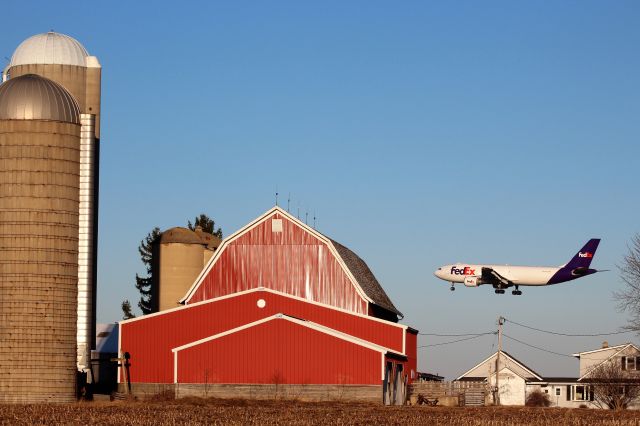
(499, 291)
(516, 292)
(452, 287)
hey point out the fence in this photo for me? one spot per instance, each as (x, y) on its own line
(450, 393)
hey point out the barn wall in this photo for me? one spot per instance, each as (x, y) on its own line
(292, 261)
(279, 352)
(149, 340)
(412, 354)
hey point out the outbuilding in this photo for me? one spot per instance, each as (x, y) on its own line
(279, 308)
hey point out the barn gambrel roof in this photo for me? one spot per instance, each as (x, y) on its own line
(365, 280)
(369, 283)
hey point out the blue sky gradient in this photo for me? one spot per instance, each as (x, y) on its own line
(419, 133)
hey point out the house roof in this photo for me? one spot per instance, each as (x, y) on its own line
(616, 350)
(464, 377)
(608, 348)
(361, 272)
(556, 380)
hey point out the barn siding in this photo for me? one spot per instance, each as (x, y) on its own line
(293, 261)
(279, 352)
(412, 354)
(150, 340)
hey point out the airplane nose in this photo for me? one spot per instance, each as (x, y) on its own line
(438, 272)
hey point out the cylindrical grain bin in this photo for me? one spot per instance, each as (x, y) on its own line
(39, 196)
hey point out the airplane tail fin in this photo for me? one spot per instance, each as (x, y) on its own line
(583, 258)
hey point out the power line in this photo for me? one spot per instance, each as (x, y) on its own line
(567, 334)
(457, 335)
(455, 341)
(536, 347)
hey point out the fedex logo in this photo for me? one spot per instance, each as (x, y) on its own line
(462, 271)
(585, 254)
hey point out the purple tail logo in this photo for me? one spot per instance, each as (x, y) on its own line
(584, 257)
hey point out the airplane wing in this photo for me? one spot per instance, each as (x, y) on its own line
(490, 276)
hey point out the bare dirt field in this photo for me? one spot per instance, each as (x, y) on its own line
(241, 412)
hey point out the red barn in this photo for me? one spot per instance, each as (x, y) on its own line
(278, 308)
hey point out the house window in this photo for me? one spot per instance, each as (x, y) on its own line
(630, 363)
(557, 391)
(579, 393)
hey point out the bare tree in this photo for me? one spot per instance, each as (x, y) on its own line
(613, 387)
(629, 298)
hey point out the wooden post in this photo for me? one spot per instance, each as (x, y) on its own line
(497, 397)
(123, 362)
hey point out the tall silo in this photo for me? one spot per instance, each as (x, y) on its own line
(39, 199)
(64, 60)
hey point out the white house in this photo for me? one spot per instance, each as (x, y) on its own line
(512, 379)
(516, 380)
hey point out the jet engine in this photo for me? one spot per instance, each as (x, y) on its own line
(472, 281)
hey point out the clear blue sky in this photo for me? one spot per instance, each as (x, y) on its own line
(419, 133)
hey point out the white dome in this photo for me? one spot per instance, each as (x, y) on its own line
(50, 48)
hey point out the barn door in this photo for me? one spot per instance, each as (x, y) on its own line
(399, 386)
(387, 384)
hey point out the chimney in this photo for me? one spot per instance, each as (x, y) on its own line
(605, 344)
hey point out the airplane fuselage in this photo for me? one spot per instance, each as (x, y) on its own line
(520, 275)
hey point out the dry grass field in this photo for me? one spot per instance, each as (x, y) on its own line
(241, 412)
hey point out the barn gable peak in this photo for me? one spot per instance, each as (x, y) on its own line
(353, 266)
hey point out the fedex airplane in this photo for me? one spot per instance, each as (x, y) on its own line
(504, 276)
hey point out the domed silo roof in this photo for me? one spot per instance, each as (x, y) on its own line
(31, 97)
(50, 48)
(180, 235)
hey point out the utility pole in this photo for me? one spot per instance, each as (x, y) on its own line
(497, 393)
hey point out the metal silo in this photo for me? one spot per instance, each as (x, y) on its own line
(39, 202)
(64, 60)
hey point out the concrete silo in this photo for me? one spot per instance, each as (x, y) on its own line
(39, 226)
(180, 255)
(64, 60)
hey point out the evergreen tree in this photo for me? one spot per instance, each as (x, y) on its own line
(145, 284)
(207, 224)
(126, 310)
